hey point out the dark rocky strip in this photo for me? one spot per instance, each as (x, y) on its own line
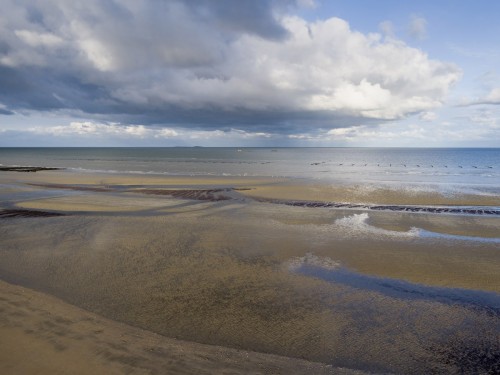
(396, 208)
(77, 188)
(28, 169)
(13, 213)
(212, 195)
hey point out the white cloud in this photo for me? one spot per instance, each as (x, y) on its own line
(94, 129)
(90, 129)
(97, 53)
(321, 66)
(493, 96)
(428, 116)
(166, 133)
(35, 39)
(481, 129)
(167, 57)
(485, 118)
(418, 27)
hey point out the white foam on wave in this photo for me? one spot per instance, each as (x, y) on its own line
(312, 260)
(356, 225)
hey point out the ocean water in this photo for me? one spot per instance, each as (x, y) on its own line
(464, 170)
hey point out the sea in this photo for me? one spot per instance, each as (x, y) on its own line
(454, 170)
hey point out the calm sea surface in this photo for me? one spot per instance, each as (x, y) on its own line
(466, 170)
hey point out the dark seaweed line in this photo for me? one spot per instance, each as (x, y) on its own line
(397, 208)
(74, 187)
(212, 195)
(28, 169)
(13, 213)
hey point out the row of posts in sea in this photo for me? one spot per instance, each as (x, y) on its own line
(390, 165)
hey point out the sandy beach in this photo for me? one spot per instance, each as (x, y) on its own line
(212, 275)
(44, 335)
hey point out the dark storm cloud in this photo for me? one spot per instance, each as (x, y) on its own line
(284, 122)
(20, 89)
(39, 89)
(5, 112)
(207, 64)
(247, 16)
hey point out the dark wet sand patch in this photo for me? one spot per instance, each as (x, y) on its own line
(469, 356)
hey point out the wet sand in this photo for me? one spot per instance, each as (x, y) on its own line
(366, 194)
(44, 335)
(103, 179)
(262, 187)
(169, 256)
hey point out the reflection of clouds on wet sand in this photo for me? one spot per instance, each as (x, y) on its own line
(357, 225)
(329, 270)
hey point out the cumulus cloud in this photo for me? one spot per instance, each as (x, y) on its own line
(91, 133)
(482, 126)
(93, 129)
(249, 65)
(99, 129)
(366, 135)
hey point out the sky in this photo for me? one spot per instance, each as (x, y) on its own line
(348, 73)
